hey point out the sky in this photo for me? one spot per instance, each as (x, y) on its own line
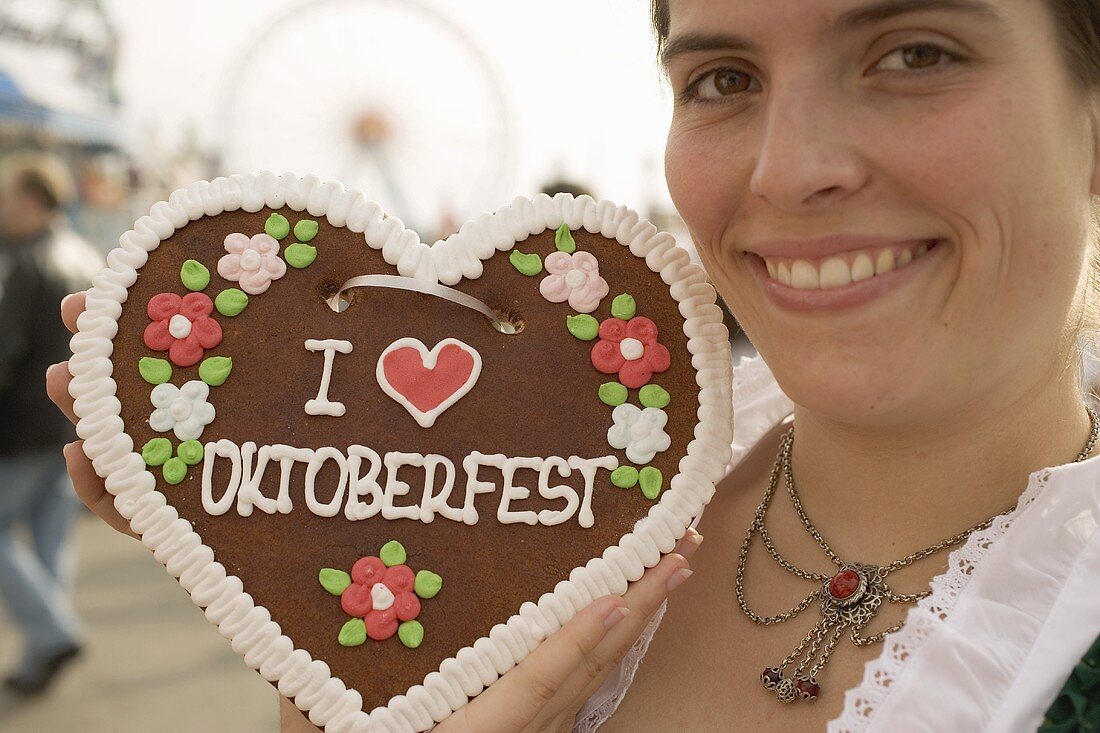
(482, 99)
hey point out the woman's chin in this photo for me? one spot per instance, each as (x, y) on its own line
(870, 388)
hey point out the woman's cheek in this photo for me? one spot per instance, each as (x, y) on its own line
(701, 180)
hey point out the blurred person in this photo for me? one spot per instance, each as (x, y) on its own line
(43, 260)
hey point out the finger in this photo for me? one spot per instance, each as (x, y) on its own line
(647, 594)
(72, 305)
(514, 700)
(643, 599)
(57, 387)
(90, 489)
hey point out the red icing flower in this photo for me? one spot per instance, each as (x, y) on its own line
(630, 349)
(383, 597)
(182, 327)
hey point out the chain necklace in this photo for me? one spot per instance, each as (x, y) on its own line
(849, 598)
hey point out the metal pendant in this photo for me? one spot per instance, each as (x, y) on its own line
(849, 600)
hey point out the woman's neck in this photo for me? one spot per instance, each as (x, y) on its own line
(879, 494)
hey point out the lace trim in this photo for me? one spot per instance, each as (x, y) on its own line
(630, 663)
(880, 674)
(750, 376)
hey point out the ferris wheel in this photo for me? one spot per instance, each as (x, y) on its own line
(390, 96)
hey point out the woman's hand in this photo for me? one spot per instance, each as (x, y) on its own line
(544, 692)
(89, 487)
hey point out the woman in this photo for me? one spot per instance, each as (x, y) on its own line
(894, 199)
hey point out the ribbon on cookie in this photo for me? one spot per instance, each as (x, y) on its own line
(440, 291)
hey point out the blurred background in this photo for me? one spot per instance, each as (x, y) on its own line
(439, 110)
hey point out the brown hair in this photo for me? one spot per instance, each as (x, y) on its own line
(40, 175)
(1078, 27)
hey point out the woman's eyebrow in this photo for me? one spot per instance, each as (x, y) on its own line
(862, 16)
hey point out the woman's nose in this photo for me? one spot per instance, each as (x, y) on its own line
(810, 151)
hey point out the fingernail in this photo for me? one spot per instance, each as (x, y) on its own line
(689, 544)
(614, 616)
(678, 577)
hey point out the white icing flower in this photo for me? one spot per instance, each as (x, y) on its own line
(183, 410)
(640, 432)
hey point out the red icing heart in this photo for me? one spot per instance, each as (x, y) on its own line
(428, 382)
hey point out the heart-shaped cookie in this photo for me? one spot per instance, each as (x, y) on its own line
(385, 469)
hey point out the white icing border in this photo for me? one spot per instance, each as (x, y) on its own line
(249, 628)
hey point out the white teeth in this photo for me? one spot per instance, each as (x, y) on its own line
(783, 274)
(885, 261)
(834, 273)
(862, 268)
(804, 276)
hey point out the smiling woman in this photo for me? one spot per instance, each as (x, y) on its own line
(896, 201)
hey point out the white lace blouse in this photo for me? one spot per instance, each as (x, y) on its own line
(995, 641)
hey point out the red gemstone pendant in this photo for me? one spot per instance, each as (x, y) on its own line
(846, 587)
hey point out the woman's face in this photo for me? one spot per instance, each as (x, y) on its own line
(941, 125)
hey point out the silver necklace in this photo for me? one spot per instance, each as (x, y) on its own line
(849, 597)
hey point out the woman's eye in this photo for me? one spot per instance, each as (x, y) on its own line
(917, 57)
(716, 84)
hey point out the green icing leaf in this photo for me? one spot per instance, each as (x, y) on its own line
(333, 580)
(190, 452)
(583, 326)
(305, 230)
(651, 479)
(214, 370)
(230, 302)
(654, 395)
(625, 477)
(612, 394)
(194, 274)
(175, 470)
(563, 240)
(300, 255)
(411, 633)
(427, 584)
(528, 264)
(154, 371)
(353, 633)
(277, 226)
(624, 306)
(392, 553)
(156, 452)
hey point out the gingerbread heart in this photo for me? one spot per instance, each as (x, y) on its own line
(387, 470)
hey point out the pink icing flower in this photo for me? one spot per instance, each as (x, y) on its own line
(381, 596)
(182, 327)
(630, 349)
(575, 277)
(254, 263)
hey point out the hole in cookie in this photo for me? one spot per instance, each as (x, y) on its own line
(507, 322)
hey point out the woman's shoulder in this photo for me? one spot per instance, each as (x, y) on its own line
(1006, 625)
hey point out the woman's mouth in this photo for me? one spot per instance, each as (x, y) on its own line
(844, 279)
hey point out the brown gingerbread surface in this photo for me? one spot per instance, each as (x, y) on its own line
(536, 396)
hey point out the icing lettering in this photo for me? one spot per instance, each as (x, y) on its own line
(321, 405)
(360, 492)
